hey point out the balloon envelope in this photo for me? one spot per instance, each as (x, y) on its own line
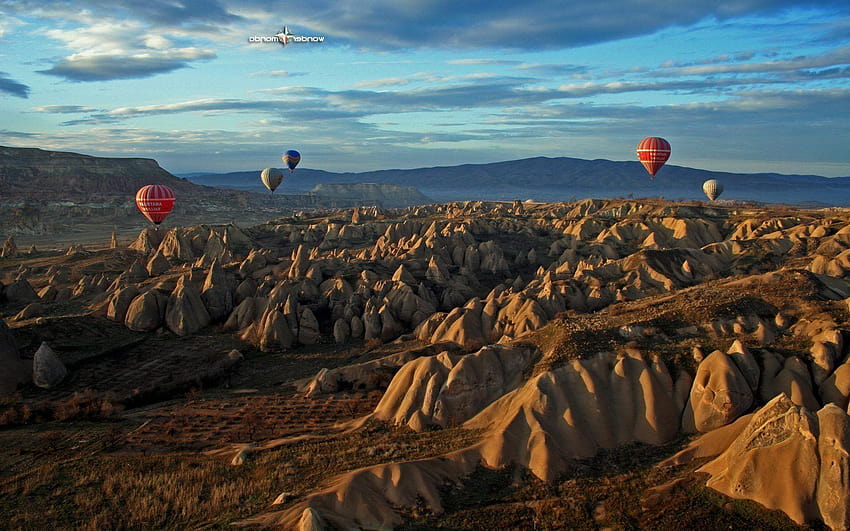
(291, 158)
(271, 177)
(653, 152)
(155, 201)
(712, 189)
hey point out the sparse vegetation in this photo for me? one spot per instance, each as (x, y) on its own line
(126, 489)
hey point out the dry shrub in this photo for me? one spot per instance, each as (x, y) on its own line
(87, 404)
(194, 393)
(8, 416)
(252, 423)
(375, 342)
(13, 410)
(16, 414)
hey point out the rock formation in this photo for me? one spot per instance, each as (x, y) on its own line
(185, 312)
(47, 369)
(543, 333)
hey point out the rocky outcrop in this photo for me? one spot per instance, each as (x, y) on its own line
(833, 482)
(146, 312)
(573, 411)
(448, 389)
(176, 247)
(158, 264)
(20, 291)
(216, 293)
(375, 374)
(147, 241)
(308, 328)
(779, 435)
(790, 459)
(272, 331)
(34, 309)
(120, 303)
(48, 371)
(720, 394)
(185, 312)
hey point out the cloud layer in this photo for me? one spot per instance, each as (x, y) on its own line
(102, 67)
(535, 24)
(472, 80)
(12, 87)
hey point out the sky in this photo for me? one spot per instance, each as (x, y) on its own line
(733, 85)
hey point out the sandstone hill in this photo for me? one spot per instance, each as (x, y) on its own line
(36, 173)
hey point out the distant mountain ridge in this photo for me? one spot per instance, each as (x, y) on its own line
(562, 178)
(43, 174)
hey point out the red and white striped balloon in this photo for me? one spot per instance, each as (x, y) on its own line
(155, 201)
(653, 152)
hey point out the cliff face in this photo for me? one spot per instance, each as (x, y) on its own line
(35, 173)
(387, 195)
(49, 193)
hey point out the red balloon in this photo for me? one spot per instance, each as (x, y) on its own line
(155, 201)
(653, 152)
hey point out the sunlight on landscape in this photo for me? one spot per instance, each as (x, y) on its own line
(424, 265)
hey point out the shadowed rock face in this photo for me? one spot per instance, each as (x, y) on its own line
(12, 369)
(20, 291)
(120, 303)
(216, 293)
(185, 312)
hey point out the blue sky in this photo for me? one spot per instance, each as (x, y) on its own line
(742, 85)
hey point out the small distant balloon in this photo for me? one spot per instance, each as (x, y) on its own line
(712, 189)
(155, 201)
(653, 152)
(271, 177)
(291, 158)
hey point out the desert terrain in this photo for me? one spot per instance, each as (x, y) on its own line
(620, 364)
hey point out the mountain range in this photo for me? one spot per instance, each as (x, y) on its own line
(562, 178)
(50, 175)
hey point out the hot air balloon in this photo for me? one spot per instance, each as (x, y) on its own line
(155, 201)
(653, 152)
(291, 158)
(712, 189)
(271, 177)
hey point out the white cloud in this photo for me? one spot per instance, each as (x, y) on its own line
(103, 66)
